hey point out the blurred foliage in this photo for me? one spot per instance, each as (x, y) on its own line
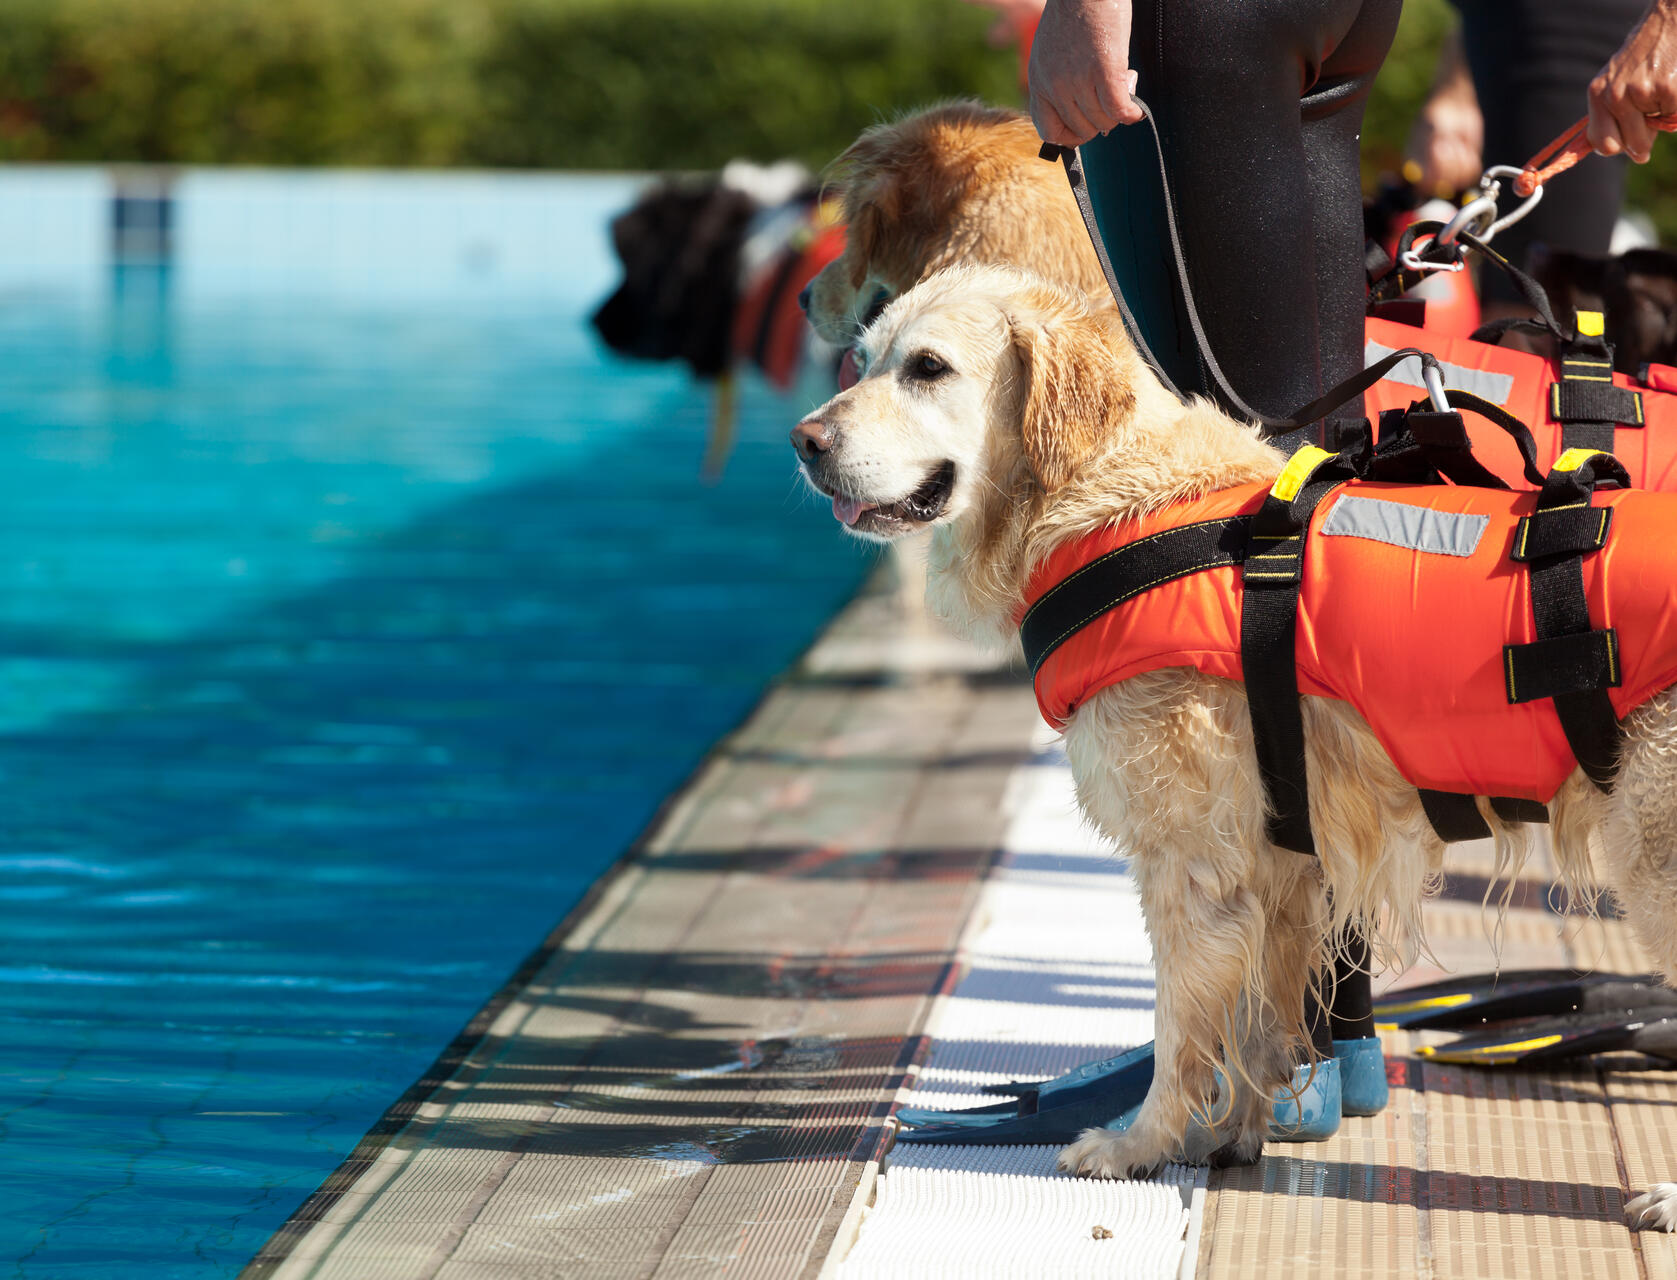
(607, 84)
(1402, 85)
(575, 84)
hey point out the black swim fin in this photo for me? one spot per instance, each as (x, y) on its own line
(1574, 1035)
(1475, 999)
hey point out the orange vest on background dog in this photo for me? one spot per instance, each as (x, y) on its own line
(1408, 597)
(1525, 385)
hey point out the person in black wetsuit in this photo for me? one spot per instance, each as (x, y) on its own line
(1259, 105)
(1510, 79)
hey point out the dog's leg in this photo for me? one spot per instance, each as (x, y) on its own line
(1202, 975)
(1639, 852)
(1276, 1040)
(1162, 766)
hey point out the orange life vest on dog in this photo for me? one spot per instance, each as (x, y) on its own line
(1644, 439)
(1407, 603)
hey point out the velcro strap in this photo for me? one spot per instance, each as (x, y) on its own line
(1565, 664)
(1439, 430)
(1119, 576)
(1453, 816)
(1578, 400)
(1513, 809)
(1557, 531)
(1278, 559)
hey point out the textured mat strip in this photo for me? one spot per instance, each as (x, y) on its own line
(1058, 971)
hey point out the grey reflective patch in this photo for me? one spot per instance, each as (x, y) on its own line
(1495, 387)
(1445, 533)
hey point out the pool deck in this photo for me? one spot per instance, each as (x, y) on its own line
(693, 1075)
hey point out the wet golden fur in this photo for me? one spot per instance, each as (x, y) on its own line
(1056, 428)
(955, 183)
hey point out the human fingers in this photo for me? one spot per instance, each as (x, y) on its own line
(1628, 103)
(1115, 92)
(1639, 81)
(1082, 115)
(1049, 126)
(1603, 128)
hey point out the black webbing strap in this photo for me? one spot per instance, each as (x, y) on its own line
(1269, 545)
(1311, 413)
(1570, 661)
(1401, 280)
(1585, 400)
(1456, 817)
(1513, 809)
(1418, 445)
(1271, 577)
(1119, 576)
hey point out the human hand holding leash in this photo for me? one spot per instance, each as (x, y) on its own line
(1638, 82)
(1080, 74)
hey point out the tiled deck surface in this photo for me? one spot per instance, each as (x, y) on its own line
(692, 1078)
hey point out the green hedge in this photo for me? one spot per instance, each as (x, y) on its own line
(565, 84)
(550, 83)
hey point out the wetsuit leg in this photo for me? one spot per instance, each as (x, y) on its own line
(1259, 104)
(1532, 61)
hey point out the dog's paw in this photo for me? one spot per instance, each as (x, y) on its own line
(1237, 1154)
(1101, 1153)
(1655, 1209)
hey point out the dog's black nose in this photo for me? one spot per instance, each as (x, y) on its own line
(811, 438)
(803, 299)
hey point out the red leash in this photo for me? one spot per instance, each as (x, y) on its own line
(1566, 151)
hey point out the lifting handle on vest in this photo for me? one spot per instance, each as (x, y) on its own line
(1570, 661)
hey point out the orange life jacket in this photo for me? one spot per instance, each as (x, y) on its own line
(1407, 605)
(1529, 387)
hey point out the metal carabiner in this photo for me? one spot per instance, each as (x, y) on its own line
(1472, 217)
(1488, 183)
(1476, 213)
(1410, 260)
(1433, 377)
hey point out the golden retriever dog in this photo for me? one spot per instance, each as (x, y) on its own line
(1009, 415)
(956, 183)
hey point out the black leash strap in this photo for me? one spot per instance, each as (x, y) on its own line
(1570, 662)
(1313, 412)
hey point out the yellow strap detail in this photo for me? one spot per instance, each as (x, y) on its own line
(1572, 459)
(1490, 1053)
(1297, 471)
(1384, 1010)
(1591, 324)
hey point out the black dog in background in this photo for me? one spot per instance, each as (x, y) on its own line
(680, 250)
(1636, 293)
(713, 269)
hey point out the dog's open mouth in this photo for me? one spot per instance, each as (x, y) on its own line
(922, 506)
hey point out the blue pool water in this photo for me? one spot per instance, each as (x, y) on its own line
(342, 645)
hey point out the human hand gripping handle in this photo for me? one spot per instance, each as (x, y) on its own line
(1638, 82)
(1080, 74)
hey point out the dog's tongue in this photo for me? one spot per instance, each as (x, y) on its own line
(848, 375)
(848, 511)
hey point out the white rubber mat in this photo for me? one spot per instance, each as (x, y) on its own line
(1058, 972)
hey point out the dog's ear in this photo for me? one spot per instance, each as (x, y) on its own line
(863, 233)
(1074, 388)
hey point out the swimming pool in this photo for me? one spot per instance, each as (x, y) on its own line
(356, 613)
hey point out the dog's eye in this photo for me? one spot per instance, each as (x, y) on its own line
(927, 366)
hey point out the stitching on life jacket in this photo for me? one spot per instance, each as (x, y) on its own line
(1113, 604)
(1142, 541)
